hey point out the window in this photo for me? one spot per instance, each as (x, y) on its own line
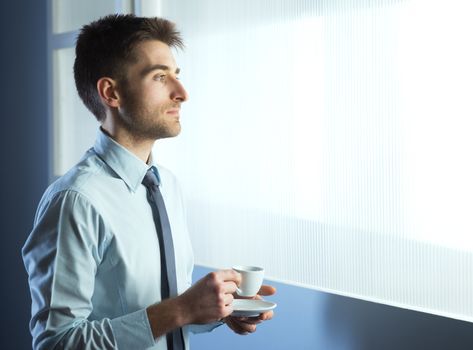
(330, 142)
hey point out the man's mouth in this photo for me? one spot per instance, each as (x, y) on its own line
(172, 111)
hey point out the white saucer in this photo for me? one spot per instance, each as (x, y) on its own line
(250, 307)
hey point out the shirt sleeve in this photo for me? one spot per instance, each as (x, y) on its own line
(61, 257)
(202, 328)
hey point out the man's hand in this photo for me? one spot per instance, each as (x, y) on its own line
(245, 325)
(207, 301)
(210, 299)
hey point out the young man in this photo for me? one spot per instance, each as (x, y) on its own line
(96, 264)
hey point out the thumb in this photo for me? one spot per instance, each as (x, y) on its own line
(267, 290)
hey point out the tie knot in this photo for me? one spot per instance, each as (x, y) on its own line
(150, 180)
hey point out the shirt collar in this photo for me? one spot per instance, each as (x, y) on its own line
(125, 164)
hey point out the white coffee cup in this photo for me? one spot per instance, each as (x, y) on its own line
(251, 280)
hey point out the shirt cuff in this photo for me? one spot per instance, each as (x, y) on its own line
(133, 331)
(202, 328)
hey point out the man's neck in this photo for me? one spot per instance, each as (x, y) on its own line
(139, 147)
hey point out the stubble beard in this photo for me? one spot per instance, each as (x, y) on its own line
(143, 123)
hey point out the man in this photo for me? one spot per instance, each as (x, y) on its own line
(94, 257)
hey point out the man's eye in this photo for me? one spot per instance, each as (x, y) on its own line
(160, 77)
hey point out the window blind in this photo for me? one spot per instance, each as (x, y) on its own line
(330, 142)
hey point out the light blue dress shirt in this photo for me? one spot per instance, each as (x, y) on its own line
(93, 255)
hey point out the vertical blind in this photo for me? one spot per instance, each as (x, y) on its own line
(330, 142)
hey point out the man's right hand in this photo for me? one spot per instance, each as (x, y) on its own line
(210, 299)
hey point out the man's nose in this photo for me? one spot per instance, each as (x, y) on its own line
(178, 92)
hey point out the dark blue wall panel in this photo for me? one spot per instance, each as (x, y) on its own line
(24, 154)
(308, 319)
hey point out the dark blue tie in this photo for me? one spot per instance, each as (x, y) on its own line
(175, 338)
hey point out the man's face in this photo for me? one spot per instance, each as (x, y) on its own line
(152, 94)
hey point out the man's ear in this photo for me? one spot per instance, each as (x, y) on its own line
(107, 89)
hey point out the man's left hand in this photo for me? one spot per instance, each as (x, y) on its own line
(246, 325)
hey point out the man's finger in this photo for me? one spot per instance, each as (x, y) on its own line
(267, 290)
(228, 299)
(230, 275)
(229, 287)
(266, 316)
(251, 320)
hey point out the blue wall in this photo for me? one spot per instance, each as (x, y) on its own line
(304, 319)
(308, 319)
(23, 145)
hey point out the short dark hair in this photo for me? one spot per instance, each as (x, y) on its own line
(105, 46)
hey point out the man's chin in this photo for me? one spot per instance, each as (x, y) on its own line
(169, 133)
